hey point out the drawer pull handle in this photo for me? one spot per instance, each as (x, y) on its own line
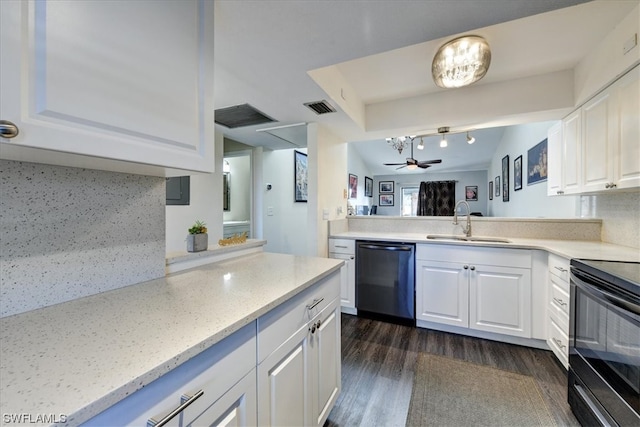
(314, 303)
(563, 270)
(342, 247)
(153, 423)
(559, 343)
(559, 301)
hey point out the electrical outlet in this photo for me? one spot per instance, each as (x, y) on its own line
(270, 211)
(325, 214)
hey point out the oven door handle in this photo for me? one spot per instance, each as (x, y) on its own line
(613, 299)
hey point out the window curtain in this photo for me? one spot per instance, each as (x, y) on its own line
(436, 198)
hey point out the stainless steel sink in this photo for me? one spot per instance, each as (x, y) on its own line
(468, 239)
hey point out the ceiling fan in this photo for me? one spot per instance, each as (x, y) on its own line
(412, 163)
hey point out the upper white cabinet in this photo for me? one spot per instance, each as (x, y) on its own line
(124, 86)
(599, 148)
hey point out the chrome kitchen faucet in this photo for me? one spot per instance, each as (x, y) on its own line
(467, 229)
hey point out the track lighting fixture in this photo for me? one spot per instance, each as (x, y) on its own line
(470, 139)
(443, 142)
(421, 144)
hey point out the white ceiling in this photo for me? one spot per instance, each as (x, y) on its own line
(382, 51)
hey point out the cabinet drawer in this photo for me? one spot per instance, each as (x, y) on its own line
(342, 246)
(475, 255)
(275, 327)
(559, 266)
(558, 341)
(559, 295)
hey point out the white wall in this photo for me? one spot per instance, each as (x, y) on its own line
(240, 187)
(356, 166)
(463, 179)
(285, 223)
(205, 205)
(532, 200)
(328, 180)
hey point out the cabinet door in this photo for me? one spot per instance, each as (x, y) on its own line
(554, 160)
(627, 148)
(442, 293)
(283, 384)
(93, 82)
(571, 139)
(325, 369)
(596, 138)
(347, 280)
(237, 407)
(500, 300)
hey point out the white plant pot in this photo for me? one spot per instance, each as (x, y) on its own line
(197, 242)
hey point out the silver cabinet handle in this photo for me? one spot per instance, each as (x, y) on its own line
(352, 257)
(8, 129)
(314, 303)
(559, 343)
(559, 301)
(153, 423)
(343, 247)
(315, 327)
(473, 267)
(563, 270)
(559, 192)
(466, 267)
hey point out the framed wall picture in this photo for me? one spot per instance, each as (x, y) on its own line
(505, 178)
(517, 174)
(368, 187)
(537, 163)
(385, 186)
(497, 181)
(490, 190)
(385, 200)
(471, 193)
(353, 186)
(301, 176)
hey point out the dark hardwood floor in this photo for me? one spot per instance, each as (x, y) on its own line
(378, 361)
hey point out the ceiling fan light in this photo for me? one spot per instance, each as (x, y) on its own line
(470, 139)
(412, 166)
(461, 62)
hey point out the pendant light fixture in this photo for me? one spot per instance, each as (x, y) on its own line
(461, 62)
(443, 142)
(421, 144)
(399, 143)
(470, 139)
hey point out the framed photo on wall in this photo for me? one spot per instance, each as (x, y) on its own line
(537, 163)
(517, 174)
(490, 190)
(497, 181)
(385, 200)
(385, 186)
(471, 193)
(300, 171)
(505, 178)
(353, 186)
(368, 187)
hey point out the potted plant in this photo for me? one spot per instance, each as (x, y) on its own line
(198, 239)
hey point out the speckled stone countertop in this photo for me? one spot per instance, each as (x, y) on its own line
(80, 357)
(565, 248)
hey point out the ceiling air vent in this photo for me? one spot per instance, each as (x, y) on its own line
(320, 107)
(240, 115)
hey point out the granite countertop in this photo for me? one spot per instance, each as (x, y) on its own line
(80, 357)
(565, 248)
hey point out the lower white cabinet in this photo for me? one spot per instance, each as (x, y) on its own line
(299, 382)
(484, 289)
(558, 308)
(345, 250)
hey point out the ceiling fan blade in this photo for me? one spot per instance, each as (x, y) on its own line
(403, 166)
(394, 164)
(423, 166)
(430, 162)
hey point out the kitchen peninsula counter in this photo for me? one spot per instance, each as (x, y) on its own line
(587, 249)
(81, 357)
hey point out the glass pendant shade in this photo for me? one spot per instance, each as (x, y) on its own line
(461, 61)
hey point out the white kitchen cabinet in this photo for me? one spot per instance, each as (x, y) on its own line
(345, 249)
(599, 150)
(486, 289)
(555, 185)
(220, 382)
(123, 86)
(558, 308)
(299, 381)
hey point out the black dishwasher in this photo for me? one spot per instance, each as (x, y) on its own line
(385, 284)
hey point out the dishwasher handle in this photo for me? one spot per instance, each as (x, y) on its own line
(386, 247)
